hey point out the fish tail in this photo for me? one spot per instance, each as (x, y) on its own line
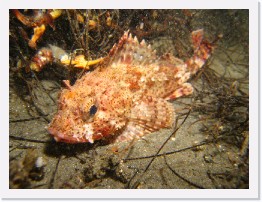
(202, 52)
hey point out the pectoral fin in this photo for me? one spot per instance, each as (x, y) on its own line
(148, 115)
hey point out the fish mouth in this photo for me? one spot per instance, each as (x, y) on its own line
(67, 138)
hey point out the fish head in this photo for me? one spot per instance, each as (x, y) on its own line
(85, 116)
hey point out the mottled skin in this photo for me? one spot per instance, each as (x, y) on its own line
(128, 96)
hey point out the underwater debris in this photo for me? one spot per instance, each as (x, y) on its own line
(38, 21)
(24, 170)
(55, 54)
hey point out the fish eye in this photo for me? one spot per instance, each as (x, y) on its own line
(93, 110)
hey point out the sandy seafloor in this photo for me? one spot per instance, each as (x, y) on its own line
(207, 150)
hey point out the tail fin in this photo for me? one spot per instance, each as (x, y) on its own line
(202, 52)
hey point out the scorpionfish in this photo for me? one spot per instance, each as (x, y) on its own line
(129, 95)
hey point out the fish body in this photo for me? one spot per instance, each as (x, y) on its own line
(128, 96)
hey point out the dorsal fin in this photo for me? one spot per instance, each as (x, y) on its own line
(170, 59)
(129, 51)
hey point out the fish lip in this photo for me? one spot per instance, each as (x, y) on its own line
(62, 137)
